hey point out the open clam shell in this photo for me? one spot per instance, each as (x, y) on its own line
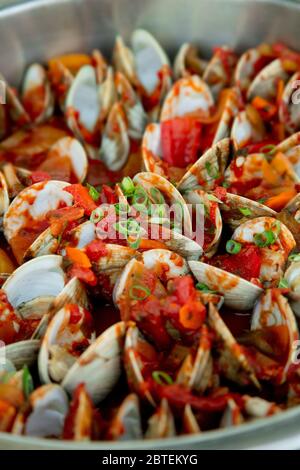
(231, 109)
(291, 149)
(99, 367)
(188, 96)
(247, 68)
(292, 276)
(164, 263)
(188, 62)
(235, 207)
(265, 82)
(232, 415)
(83, 100)
(36, 83)
(189, 421)
(23, 353)
(208, 169)
(57, 354)
(30, 206)
(49, 408)
(257, 407)
(218, 73)
(172, 196)
(4, 196)
(274, 310)
(206, 211)
(289, 113)
(134, 362)
(244, 131)
(161, 424)
(126, 424)
(115, 144)
(16, 110)
(233, 360)
(238, 293)
(45, 244)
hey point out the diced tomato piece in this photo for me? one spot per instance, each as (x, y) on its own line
(75, 314)
(181, 138)
(221, 193)
(184, 288)
(246, 263)
(85, 275)
(108, 195)
(82, 197)
(95, 250)
(38, 176)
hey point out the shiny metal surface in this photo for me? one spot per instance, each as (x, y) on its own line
(39, 29)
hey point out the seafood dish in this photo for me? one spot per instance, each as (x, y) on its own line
(150, 242)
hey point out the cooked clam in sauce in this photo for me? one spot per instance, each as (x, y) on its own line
(150, 244)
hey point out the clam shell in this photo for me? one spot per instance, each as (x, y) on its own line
(36, 79)
(188, 96)
(292, 276)
(124, 60)
(188, 58)
(289, 113)
(166, 264)
(232, 215)
(243, 131)
(208, 168)
(230, 111)
(232, 415)
(49, 408)
(216, 75)
(238, 293)
(246, 69)
(99, 367)
(265, 82)
(4, 196)
(257, 407)
(15, 108)
(23, 353)
(115, 144)
(71, 148)
(107, 94)
(127, 424)
(45, 244)
(189, 421)
(161, 424)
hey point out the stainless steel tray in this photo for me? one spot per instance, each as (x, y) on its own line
(39, 29)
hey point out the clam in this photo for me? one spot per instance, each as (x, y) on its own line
(4, 196)
(29, 208)
(164, 263)
(189, 421)
(219, 71)
(126, 424)
(232, 415)
(247, 67)
(238, 293)
(23, 353)
(161, 424)
(107, 93)
(36, 83)
(257, 407)
(134, 360)
(207, 216)
(265, 82)
(99, 367)
(115, 144)
(72, 325)
(188, 96)
(288, 108)
(244, 130)
(231, 108)
(135, 114)
(195, 372)
(49, 405)
(292, 276)
(45, 244)
(82, 107)
(152, 150)
(83, 420)
(208, 169)
(61, 80)
(188, 62)
(233, 362)
(14, 177)
(236, 210)
(69, 154)
(16, 111)
(273, 310)
(291, 149)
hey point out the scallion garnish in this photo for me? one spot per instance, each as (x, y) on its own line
(283, 284)
(204, 288)
(213, 172)
(97, 215)
(127, 186)
(245, 211)
(294, 257)
(161, 377)
(264, 239)
(27, 382)
(93, 192)
(233, 247)
(139, 292)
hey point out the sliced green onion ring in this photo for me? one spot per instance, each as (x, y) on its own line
(121, 208)
(161, 377)
(97, 215)
(264, 239)
(139, 292)
(245, 211)
(204, 288)
(233, 247)
(27, 382)
(157, 196)
(283, 284)
(93, 192)
(294, 257)
(127, 186)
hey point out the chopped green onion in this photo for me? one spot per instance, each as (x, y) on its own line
(225, 184)
(245, 211)
(204, 288)
(264, 239)
(262, 200)
(121, 208)
(283, 284)
(139, 292)
(93, 192)
(212, 197)
(161, 377)
(213, 172)
(97, 215)
(140, 196)
(268, 149)
(27, 382)
(134, 244)
(127, 186)
(276, 227)
(157, 196)
(133, 227)
(294, 257)
(233, 247)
